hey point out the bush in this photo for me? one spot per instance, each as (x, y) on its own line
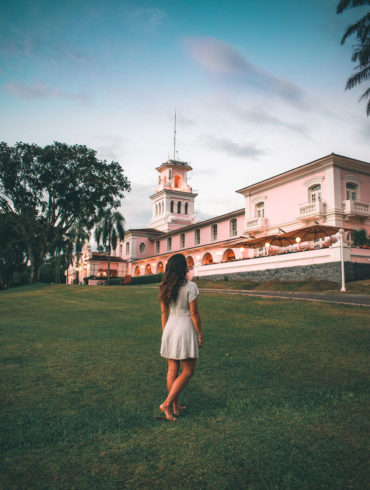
(148, 279)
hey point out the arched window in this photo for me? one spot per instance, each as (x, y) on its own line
(142, 247)
(214, 232)
(186, 208)
(148, 269)
(233, 227)
(351, 191)
(260, 209)
(159, 267)
(179, 207)
(228, 255)
(169, 244)
(207, 259)
(197, 236)
(127, 248)
(137, 271)
(156, 209)
(314, 193)
(157, 247)
(190, 261)
(177, 181)
(162, 210)
(172, 206)
(170, 174)
(182, 240)
(120, 250)
(164, 181)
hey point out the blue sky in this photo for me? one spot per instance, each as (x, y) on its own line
(258, 88)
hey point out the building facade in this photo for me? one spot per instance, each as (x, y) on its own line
(332, 193)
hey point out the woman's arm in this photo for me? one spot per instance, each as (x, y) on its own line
(195, 316)
(164, 314)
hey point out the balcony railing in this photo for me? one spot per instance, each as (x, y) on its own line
(311, 209)
(255, 224)
(356, 208)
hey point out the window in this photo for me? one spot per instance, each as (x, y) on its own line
(197, 236)
(351, 191)
(172, 206)
(120, 250)
(182, 240)
(127, 248)
(169, 244)
(170, 174)
(233, 227)
(177, 181)
(260, 209)
(186, 208)
(314, 193)
(142, 247)
(157, 247)
(214, 232)
(179, 207)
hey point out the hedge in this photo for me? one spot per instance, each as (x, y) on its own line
(147, 279)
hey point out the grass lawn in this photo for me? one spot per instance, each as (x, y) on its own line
(81, 380)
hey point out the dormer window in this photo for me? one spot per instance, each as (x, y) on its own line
(260, 209)
(214, 232)
(351, 191)
(233, 227)
(314, 193)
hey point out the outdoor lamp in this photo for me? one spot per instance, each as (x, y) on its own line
(298, 239)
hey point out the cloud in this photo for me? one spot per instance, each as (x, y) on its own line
(41, 91)
(221, 60)
(260, 117)
(234, 149)
(137, 207)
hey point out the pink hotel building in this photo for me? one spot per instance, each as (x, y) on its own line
(266, 239)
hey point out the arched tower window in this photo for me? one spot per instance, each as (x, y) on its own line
(186, 208)
(170, 174)
(179, 207)
(172, 206)
(314, 193)
(351, 191)
(177, 181)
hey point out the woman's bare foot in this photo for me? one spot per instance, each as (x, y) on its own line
(167, 412)
(177, 409)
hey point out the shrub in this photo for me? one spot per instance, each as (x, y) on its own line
(148, 279)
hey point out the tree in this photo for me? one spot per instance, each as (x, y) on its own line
(360, 237)
(13, 257)
(53, 188)
(361, 52)
(109, 229)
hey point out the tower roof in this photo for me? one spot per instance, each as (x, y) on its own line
(174, 163)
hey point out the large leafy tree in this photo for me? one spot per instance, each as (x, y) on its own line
(361, 51)
(13, 252)
(49, 190)
(109, 230)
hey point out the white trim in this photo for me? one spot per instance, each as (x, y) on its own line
(314, 181)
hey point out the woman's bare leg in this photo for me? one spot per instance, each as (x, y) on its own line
(188, 366)
(172, 374)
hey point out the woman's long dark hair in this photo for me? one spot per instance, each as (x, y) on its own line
(174, 278)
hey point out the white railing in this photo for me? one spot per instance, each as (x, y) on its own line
(255, 224)
(357, 208)
(309, 209)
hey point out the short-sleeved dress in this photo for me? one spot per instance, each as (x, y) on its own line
(179, 338)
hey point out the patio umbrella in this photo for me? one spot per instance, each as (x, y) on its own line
(311, 233)
(278, 240)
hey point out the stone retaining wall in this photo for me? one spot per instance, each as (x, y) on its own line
(330, 271)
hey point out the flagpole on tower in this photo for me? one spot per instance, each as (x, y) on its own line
(174, 139)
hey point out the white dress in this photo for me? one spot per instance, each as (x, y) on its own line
(179, 338)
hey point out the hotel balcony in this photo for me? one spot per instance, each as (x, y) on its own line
(255, 224)
(356, 208)
(311, 210)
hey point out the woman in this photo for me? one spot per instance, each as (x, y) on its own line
(182, 331)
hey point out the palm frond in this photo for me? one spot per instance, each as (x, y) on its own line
(357, 78)
(345, 4)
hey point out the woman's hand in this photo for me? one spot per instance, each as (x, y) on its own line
(200, 341)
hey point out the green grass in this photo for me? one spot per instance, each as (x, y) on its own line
(355, 287)
(82, 379)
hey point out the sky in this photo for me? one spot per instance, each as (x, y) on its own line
(258, 88)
